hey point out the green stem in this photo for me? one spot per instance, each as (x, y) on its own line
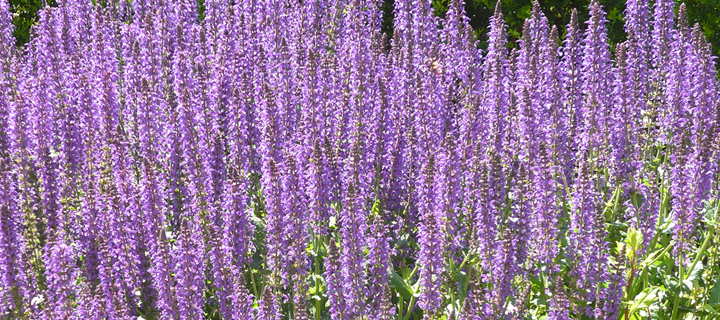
(462, 265)
(676, 303)
(412, 299)
(412, 274)
(698, 256)
(617, 203)
(317, 271)
(710, 234)
(701, 252)
(452, 267)
(411, 305)
(662, 253)
(255, 290)
(628, 288)
(400, 308)
(661, 215)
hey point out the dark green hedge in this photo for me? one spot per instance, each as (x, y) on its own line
(24, 17)
(705, 12)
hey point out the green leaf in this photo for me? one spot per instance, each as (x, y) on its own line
(375, 211)
(715, 293)
(709, 309)
(399, 284)
(634, 238)
(259, 223)
(644, 299)
(651, 258)
(693, 276)
(463, 279)
(669, 226)
(708, 213)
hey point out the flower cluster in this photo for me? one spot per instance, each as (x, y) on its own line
(266, 159)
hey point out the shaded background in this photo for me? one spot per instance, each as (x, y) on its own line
(704, 12)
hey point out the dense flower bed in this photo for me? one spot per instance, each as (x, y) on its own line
(267, 159)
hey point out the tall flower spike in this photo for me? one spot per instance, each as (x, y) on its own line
(677, 121)
(586, 237)
(610, 298)
(595, 68)
(495, 79)
(495, 106)
(333, 279)
(61, 281)
(294, 229)
(274, 220)
(637, 49)
(448, 185)
(662, 36)
(189, 258)
(531, 79)
(237, 227)
(6, 29)
(378, 261)
(545, 212)
(10, 241)
(153, 209)
(621, 127)
(637, 13)
(430, 257)
(268, 308)
(571, 80)
(555, 121)
(353, 227)
(456, 51)
(639, 63)
(705, 90)
(9, 238)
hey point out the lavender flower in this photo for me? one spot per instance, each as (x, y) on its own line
(586, 235)
(595, 70)
(61, 280)
(353, 229)
(188, 261)
(185, 160)
(430, 233)
(662, 35)
(621, 128)
(571, 79)
(378, 261)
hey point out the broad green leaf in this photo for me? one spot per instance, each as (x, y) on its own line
(644, 299)
(693, 276)
(462, 278)
(656, 255)
(715, 293)
(634, 238)
(399, 284)
(709, 309)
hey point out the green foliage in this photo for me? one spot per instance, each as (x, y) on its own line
(707, 14)
(704, 12)
(23, 18)
(557, 12)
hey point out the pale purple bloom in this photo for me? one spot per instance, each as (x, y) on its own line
(270, 159)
